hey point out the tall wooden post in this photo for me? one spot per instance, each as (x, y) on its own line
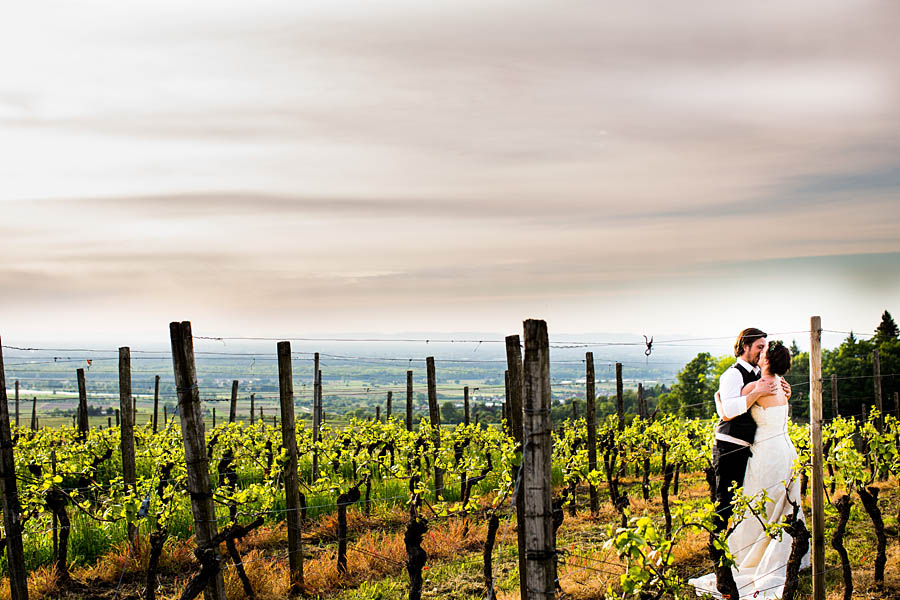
(642, 402)
(156, 404)
(317, 417)
(291, 483)
(317, 410)
(319, 399)
(574, 410)
(591, 412)
(539, 550)
(17, 403)
(514, 393)
(378, 413)
(876, 363)
(118, 419)
(193, 434)
(126, 433)
(54, 523)
(435, 415)
(409, 400)
(834, 396)
(387, 406)
(15, 552)
(82, 415)
(252, 408)
(466, 405)
(818, 486)
(232, 412)
(34, 413)
(165, 415)
(504, 416)
(214, 417)
(620, 397)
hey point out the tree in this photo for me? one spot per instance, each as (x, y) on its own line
(693, 395)
(886, 330)
(795, 349)
(450, 414)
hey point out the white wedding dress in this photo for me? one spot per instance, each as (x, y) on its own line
(760, 561)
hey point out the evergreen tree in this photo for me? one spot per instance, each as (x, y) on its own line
(886, 330)
(795, 349)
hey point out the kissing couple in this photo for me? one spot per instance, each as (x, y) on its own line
(752, 450)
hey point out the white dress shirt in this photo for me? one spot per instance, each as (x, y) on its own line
(731, 403)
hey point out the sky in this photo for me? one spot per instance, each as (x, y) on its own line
(322, 167)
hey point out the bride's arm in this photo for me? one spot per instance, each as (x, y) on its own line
(759, 389)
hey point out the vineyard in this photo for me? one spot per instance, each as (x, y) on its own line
(389, 508)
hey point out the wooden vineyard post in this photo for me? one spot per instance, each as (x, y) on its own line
(504, 415)
(387, 406)
(82, 415)
(321, 410)
(409, 400)
(108, 422)
(54, 522)
(15, 551)
(642, 404)
(514, 393)
(316, 416)
(291, 483)
(539, 550)
(818, 486)
(17, 403)
(620, 397)
(252, 408)
(126, 433)
(165, 415)
(466, 405)
(591, 413)
(232, 411)
(118, 421)
(193, 434)
(876, 364)
(435, 416)
(34, 424)
(214, 417)
(574, 410)
(834, 396)
(378, 413)
(156, 404)
(620, 409)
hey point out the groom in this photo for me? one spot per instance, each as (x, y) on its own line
(736, 428)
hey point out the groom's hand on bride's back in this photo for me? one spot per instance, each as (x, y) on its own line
(786, 387)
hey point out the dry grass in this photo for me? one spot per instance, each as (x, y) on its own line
(376, 551)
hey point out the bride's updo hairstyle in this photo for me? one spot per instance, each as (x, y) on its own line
(779, 358)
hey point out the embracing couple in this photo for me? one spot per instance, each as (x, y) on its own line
(752, 450)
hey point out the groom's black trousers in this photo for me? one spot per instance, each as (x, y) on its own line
(730, 464)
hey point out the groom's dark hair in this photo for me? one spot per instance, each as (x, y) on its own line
(746, 338)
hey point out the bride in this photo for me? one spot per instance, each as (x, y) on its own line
(761, 561)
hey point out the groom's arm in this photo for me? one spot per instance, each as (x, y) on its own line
(730, 403)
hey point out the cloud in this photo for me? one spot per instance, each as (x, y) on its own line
(374, 158)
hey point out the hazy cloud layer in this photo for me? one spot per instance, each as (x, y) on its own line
(462, 163)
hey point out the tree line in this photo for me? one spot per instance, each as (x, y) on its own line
(692, 396)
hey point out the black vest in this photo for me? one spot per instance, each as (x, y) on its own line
(743, 427)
